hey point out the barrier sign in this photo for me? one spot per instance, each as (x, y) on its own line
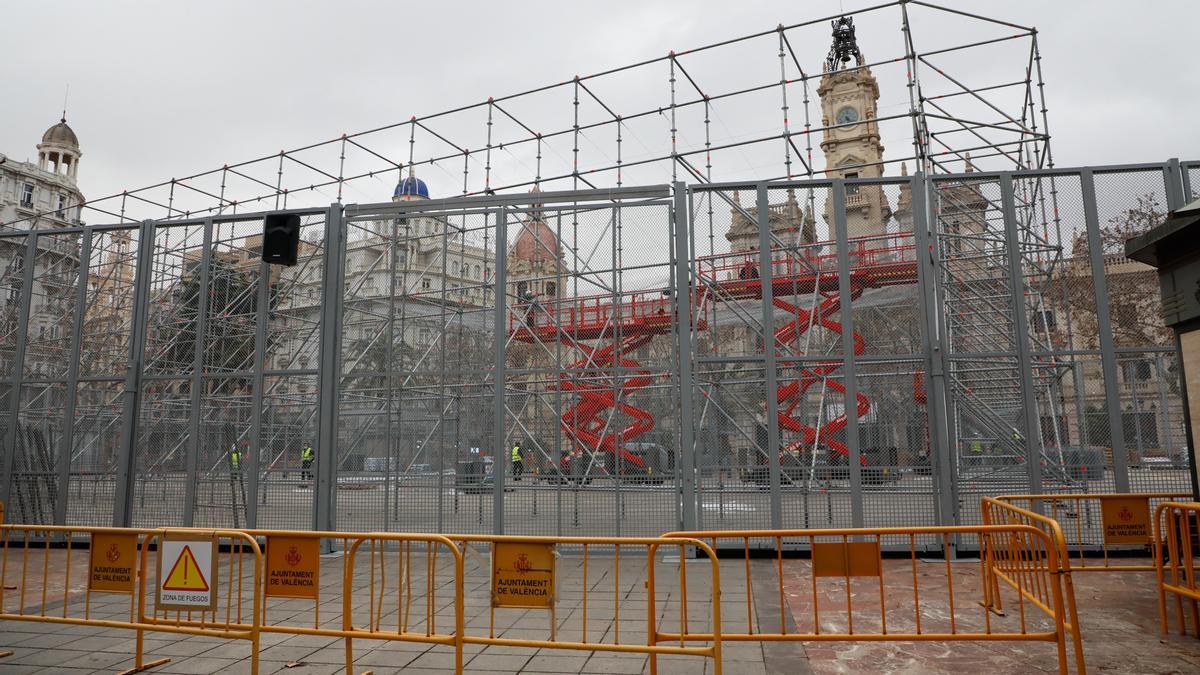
(113, 562)
(846, 559)
(1126, 520)
(522, 574)
(187, 573)
(293, 567)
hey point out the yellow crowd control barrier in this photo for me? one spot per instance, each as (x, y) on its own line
(1176, 530)
(1039, 569)
(388, 583)
(610, 580)
(850, 593)
(1103, 522)
(186, 591)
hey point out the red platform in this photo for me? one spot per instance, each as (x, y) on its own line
(798, 281)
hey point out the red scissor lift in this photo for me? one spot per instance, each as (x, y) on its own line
(798, 282)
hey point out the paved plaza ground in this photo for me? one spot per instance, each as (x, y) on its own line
(1118, 612)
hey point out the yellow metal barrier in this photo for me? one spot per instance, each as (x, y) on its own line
(1104, 521)
(1017, 562)
(1176, 529)
(293, 553)
(597, 585)
(118, 561)
(840, 609)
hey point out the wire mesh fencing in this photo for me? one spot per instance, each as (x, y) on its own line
(813, 353)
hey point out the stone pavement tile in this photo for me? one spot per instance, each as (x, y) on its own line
(314, 641)
(196, 665)
(188, 647)
(103, 644)
(283, 653)
(98, 661)
(388, 670)
(433, 660)
(232, 649)
(510, 663)
(741, 652)
(555, 663)
(308, 668)
(49, 640)
(379, 657)
(333, 654)
(608, 664)
(41, 657)
(18, 669)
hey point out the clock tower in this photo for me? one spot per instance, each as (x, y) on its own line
(851, 137)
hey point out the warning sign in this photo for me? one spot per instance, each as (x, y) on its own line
(293, 567)
(187, 576)
(846, 559)
(1126, 520)
(522, 574)
(113, 561)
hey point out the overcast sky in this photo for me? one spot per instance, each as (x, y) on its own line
(160, 89)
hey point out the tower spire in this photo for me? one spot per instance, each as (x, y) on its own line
(845, 45)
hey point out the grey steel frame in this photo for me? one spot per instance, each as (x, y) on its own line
(1177, 187)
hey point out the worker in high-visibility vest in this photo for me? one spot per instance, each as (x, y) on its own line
(235, 462)
(975, 446)
(306, 460)
(518, 462)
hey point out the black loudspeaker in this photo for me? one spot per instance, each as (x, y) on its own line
(281, 238)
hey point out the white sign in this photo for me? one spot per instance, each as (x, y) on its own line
(187, 574)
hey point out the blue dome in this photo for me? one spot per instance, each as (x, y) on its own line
(412, 187)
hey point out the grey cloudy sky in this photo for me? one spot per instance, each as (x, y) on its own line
(160, 89)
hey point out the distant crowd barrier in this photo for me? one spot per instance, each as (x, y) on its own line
(1100, 523)
(524, 574)
(190, 593)
(625, 594)
(846, 595)
(1176, 531)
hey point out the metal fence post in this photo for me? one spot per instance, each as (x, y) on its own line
(67, 442)
(18, 371)
(1174, 179)
(1016, 282)
(196, 412)
(499, 374)
(1108, 354)
(132, 404)
(850, 367)
(770, 374)
(684, 323)
(329, 375)
(263, 316)
(940, 457)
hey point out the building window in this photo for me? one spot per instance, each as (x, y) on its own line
(424, 284)
(62, 204)
(1043, 321)
(477, 272)
(551, 289)
(27, 195)
(851, 189)
(454, 268)
(1138, 370)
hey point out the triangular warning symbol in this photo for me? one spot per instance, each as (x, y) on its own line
(185, 575)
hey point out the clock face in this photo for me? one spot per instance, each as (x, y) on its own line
(847, 115)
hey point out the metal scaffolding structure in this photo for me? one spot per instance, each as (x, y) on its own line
(723, 111)
(783, 348)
